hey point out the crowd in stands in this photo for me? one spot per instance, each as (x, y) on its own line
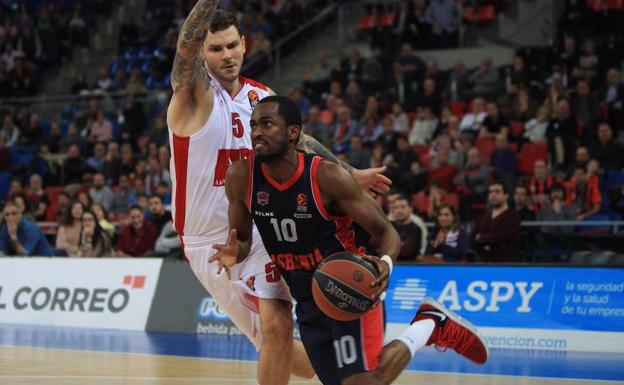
(474, 150)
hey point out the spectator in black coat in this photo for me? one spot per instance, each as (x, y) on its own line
(606, 150)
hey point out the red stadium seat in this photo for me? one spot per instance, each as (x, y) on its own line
(458, 108)
(486, 147)
(517, 128)
(452, 199)
(366, 22)
(486, 14)
(421, 149)
(386, 20)
(52, 192)
(420, 202)
(529, 153)
(469, 14)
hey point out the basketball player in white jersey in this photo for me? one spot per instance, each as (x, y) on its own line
(208, 118)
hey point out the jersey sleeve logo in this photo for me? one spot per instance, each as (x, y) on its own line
(262, 198)
(254, 98)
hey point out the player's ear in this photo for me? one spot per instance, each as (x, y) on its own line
(293, 133)
(243, 43)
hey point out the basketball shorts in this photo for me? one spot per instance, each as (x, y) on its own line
(339, 349)
(256, 277)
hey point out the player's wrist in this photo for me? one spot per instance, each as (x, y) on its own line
(388, 260)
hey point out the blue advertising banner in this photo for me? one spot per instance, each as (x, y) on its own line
(582, 299)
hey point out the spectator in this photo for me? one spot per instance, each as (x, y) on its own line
(606, 150)
(582, 158)
(612, 95)
(357, 156)
(518, 73)
(561, 134)
(496, 234)
(38, 201)
(73, 137)
(9, 132)
(401, 87)
(21, 237)
(100, 192)
(168, 244)
(318, 77)
(535, 129)
(486, 81)
(33, 133)
(352, 98)
(399, 119)
(442, 172)
(584, 192)
(494, 123)
(74, 166)
(154, 175)
(539, 185)
(413, 238)
(503, 160)
(588, 62)
(448, 240)
(558, 210)
(79, 84)
(315, 127)
(68, 236)
(96, 161)
(586, 108)
(101, 130)
(409, 60)
(5, 155)
(404, 167)
(430, 97)
(522, 205)
(372, 75)
(424, 126)
(159, 216)
(94, 241)
(22, 78)
(102, 218)
(21, 202)
(444, 17)
(472, 121)
(472, 183)
(111, 164)
(139, 237)
(344, 129)
(458, 83)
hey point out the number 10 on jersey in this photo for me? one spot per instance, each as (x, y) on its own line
(285, 230)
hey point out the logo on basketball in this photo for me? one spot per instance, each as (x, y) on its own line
(358, 276)
(262, 198)
(253, 98)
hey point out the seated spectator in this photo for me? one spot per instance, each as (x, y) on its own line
(558, 210)
(168, 244)
(399, 119)
(21, 237)
(587, 110)
(344, 129)
(606, 150)
(388, 137)
(430, 97)
(315, 127)
(139, 237)
(73, 137)
(158, 132)
(74, 166)
(110, 167)
(424, 126)
(503, 160)
(68, 236)
(21, 202)
(522, 205)
(535, 129)
(38, 201)
(84, 197)
(442, 172)
(102, 219)
(100, 192)
(101, 130)
(96, 161)
(352, 98)
(154, 175)
(94, 241)
(445, 18)
(561, 135)
(9, 131)
(404, 168)
(134, 120)
(494, 123)
(159, 216)
(448, 240)
(472, 121)
(5, 155)
(413, 237)
(584, 192)
(539, 185)
(486, 80)
(409, 59)
(357, 156)
(123, 198)
(472, 183)
(457, 83)
(612, 95)
(496, 233)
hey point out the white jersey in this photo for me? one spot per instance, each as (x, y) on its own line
(199, 162)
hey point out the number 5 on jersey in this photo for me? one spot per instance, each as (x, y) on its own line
(237, 126)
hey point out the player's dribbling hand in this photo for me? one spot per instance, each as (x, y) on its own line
(227, 254)
(382, 280)
(372, 180)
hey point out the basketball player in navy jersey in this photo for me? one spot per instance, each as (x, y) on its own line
(303, 207)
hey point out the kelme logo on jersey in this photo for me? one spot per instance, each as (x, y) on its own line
(262, 198)
(253, 98)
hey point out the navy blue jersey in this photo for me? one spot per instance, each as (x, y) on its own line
(296, 229)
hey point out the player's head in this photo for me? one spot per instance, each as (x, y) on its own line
(224, 47)
(275, 127)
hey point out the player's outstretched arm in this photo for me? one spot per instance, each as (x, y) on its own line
(338, 186)
(239, 240)
(189, 79)
(370, 180)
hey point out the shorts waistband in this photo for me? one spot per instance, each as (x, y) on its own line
(200, 242)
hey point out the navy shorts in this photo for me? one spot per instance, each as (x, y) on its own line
(340, 349)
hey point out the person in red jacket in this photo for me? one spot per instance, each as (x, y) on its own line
(138, 238)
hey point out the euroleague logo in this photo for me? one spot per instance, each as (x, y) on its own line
(254, 98)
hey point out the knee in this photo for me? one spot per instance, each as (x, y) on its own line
(276, 322)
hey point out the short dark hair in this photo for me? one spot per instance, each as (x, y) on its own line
(222, 20)
(403, 197)
(287, 109)
(499, 183)
(157, 197)
(136, 207)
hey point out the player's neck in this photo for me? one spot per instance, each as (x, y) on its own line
(232, 87)
(284, 168)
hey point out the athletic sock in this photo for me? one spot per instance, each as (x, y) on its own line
(417, 335)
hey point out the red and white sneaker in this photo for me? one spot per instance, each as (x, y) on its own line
(452, 331)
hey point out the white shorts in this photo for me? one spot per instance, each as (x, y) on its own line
(255, 277)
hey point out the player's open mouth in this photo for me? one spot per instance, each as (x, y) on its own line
(259, 143)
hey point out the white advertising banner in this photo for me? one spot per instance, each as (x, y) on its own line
(95, 293)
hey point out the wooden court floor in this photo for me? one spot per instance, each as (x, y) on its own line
(45, 366)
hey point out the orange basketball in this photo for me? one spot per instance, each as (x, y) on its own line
(341, 286)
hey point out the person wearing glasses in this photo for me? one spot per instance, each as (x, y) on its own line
(21, 237)
(94, 241)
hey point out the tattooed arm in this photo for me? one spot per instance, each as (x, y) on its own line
(189, 79)
(370, 180)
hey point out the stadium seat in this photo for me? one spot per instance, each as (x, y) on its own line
(386, 20)
(529, 153)
(614, 179)
(366, 22)
(486, 147)
(421, 149)
(420, 202)
(486, 14)
(458, 108)
(52, 192)
(516, 128)
(5, 182)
